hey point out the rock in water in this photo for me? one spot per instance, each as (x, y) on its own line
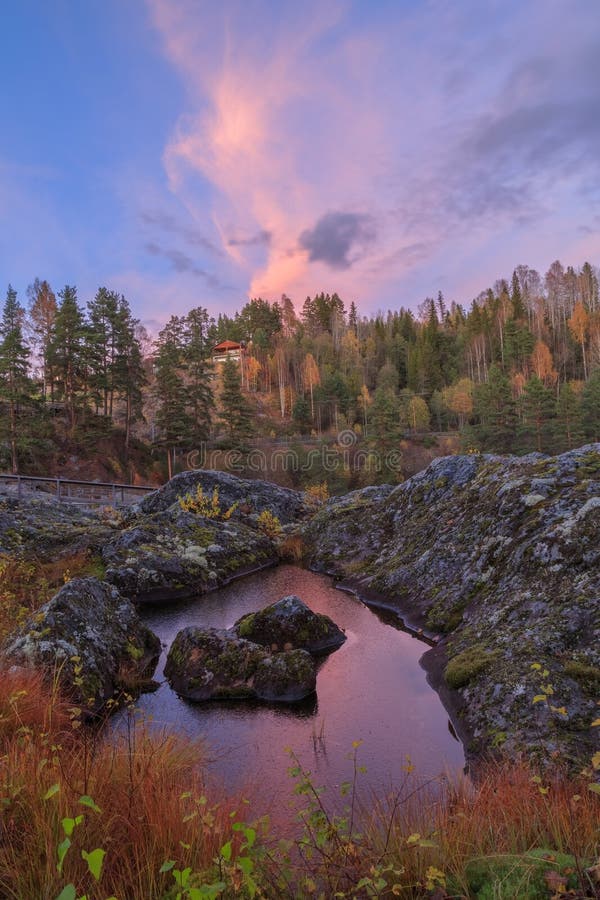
(285, 677)
(290, 624)
(215, 664)
(90, 638)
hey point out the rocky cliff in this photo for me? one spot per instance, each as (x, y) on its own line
(498, 557)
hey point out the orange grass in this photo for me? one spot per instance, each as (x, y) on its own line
(292, 548)
(149, 788)
(155, 806)
(510, 810)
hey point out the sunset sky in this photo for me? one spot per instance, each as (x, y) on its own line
(197, 153)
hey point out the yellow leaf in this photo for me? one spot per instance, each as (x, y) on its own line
(413, 838)
(539, 698)
(596, 760)
(595, 723)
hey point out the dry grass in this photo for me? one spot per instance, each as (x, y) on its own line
(292, 548)
(508, 813)
(148, 788)
(436, 839)
(154, 806)
(26, 584)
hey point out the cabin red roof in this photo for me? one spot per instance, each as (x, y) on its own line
(226, 345)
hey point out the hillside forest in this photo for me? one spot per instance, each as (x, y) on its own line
(515, 370)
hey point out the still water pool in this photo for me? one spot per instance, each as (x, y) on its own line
(372, 690)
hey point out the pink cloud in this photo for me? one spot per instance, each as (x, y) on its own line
(430, 124)
(280, 140)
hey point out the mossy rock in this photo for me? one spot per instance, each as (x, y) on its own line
(586, 675)
(216, 664)
(91, 639)
(465, 666)
(285, 677)
(289, 624)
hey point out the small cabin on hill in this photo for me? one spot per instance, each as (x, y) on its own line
(227, 350)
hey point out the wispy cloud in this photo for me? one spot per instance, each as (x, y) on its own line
(181, 262)
(261, 238)
(191, 235)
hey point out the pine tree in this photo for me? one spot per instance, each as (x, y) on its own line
(517, 298)
(199, 391)
(538, 408)
(236, 412)
(301, 413)
(353, 318)
(102, 334)
(67, 356)
(172, 416)
(519, 344)
(568, 418)
(385, 430)
(590, 406)
(15, 386)
(129, 376)
(494, 406)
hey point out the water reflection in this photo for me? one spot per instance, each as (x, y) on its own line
(371, 689)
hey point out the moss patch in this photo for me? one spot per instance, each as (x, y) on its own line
(467, 665)
(586, 675)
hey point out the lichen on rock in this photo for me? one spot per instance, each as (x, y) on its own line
(290, 624)
(216, 664)
(91, 640)
(501, 557)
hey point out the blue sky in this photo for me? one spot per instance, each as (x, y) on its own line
(197, 153)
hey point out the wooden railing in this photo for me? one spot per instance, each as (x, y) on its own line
(67, 490)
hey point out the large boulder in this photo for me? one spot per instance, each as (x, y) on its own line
(174, 553)
(91, 639)
(47, 528)
(215, 664)
(252, 496)
(289, 624)
(500, 557)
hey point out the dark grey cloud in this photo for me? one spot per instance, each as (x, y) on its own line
(193, 236)
(261, 238)
(336, 236)
(182, 263)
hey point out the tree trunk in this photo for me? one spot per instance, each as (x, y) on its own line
(13, 437)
